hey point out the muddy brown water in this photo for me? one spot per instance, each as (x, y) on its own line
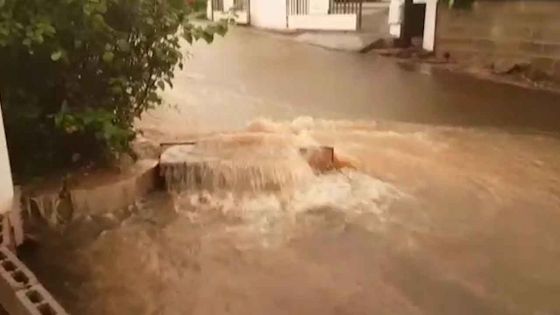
(437, 221)
(453, 209)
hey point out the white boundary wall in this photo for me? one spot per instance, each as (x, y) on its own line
(268, 14)
(6, 185)
(332, 22)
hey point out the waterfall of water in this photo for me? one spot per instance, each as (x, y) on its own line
(238, 162)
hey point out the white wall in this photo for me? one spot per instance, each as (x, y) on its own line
(6, 186)
(335, 22)
(269, 13)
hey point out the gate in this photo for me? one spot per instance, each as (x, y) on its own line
(326, 13)
(346, 7)
(225, 9)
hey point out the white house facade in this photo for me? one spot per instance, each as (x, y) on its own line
(339, 15)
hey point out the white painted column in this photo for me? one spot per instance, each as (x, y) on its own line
(396, 14)
(6, 185)
(430, 25)
(209, 10)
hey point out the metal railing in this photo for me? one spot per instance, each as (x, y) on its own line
(346, 7)
(298, 7)
(240, 4)
(301, 7)
(218, 5)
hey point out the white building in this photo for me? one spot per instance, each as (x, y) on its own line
(340, 15)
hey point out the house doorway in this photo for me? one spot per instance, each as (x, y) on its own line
(413, 24)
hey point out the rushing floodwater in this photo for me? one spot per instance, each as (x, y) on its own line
(432, 220)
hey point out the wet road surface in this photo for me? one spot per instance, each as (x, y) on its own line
(250, 74)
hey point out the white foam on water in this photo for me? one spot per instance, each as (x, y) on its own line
(230, 175)
(348, 191)
(271, 216)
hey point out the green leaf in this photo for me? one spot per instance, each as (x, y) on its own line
(161, 85)
(208, 37)
(221, 29)
(2, 2)
(87, 9)
(55, 56)
(188, 37)
(123, 45)
(45, 28)
(108, 56)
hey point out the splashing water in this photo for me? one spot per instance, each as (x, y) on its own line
(272, 214)
(261, 177)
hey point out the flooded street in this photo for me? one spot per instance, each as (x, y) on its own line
(250, 74)
(446, 198)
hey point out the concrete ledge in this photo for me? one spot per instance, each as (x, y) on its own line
(97, 192)
(332, 22)
(115, 193)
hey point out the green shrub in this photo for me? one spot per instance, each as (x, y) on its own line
(74, 74)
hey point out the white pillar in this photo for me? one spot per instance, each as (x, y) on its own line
(430, 25)
(209, 9)
(6, 185)
(395, 20)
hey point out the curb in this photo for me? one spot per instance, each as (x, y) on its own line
(87, 196)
